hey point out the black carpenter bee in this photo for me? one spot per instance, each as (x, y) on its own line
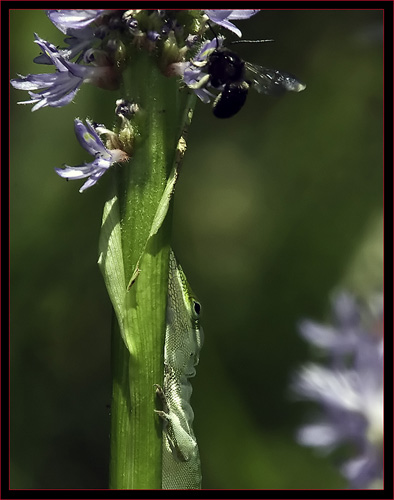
(228, 71)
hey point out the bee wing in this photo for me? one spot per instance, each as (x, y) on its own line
(271, 81)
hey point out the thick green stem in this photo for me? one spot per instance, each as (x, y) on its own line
(136, 432)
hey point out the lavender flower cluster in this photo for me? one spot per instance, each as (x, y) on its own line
(96, 39)
(96, 52)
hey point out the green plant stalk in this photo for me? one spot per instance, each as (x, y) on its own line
(136, 432)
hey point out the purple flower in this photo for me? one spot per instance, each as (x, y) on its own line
(65, 20)
(193, 71)
(152, 35)
(81, 29)
(342, 338)
(104, 158)
(349, 389)
(61, 87)
(78, 40)
(222, 17)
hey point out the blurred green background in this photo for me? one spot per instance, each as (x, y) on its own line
(275, 208)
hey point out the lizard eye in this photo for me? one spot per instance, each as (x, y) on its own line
(196, 307)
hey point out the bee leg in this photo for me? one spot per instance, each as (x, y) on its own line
(201, 83)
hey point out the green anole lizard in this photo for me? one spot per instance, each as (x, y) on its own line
(183, 342)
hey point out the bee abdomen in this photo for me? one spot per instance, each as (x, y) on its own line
(230, 100)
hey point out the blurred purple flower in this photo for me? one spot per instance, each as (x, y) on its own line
(349, 390)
